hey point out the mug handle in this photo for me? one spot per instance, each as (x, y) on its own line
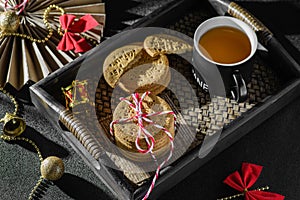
(239, 91)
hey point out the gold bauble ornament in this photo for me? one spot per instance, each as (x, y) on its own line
(52, 168)
(9, 21)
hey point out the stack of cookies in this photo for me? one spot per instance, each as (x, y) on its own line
(138, 68)
(126, 133)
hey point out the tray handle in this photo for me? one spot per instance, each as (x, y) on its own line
(241, 13)
(81, 133)
(266, 37)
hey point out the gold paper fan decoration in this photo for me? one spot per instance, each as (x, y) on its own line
(23, 59)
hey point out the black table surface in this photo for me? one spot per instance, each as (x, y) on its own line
(274, 144)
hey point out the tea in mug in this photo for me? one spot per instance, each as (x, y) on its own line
(225, 45)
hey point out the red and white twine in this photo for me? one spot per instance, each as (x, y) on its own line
(140, 117)
(20, 6)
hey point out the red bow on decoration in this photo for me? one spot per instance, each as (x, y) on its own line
(250, 173)
(71, 38)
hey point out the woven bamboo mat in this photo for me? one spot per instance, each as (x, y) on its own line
(211, 115)
(201, 116)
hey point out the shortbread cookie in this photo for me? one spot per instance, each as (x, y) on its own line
(165, 44)
(148, 74)
(126, 133)
(119, 61)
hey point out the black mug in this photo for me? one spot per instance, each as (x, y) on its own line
(234, 76)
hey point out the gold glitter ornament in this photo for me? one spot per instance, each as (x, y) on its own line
(52, 168)
(30, 53)
(9, 21)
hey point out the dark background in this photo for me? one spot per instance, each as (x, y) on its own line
(274, 144)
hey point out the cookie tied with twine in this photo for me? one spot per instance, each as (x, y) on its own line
(125, 134)
(148, 132)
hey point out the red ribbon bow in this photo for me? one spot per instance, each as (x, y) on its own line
(71, 38)
(250, 173)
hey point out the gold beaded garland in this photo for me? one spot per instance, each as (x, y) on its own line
(10, 21)
(5, 33)
(52, 168)
(13, 125)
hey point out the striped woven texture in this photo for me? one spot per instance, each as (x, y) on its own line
(201, 114)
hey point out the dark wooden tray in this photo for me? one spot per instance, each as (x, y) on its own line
(275, 83)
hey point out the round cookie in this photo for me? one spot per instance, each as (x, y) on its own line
(119, 61)
(148, 74)
(165, 44)
(125, 133)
